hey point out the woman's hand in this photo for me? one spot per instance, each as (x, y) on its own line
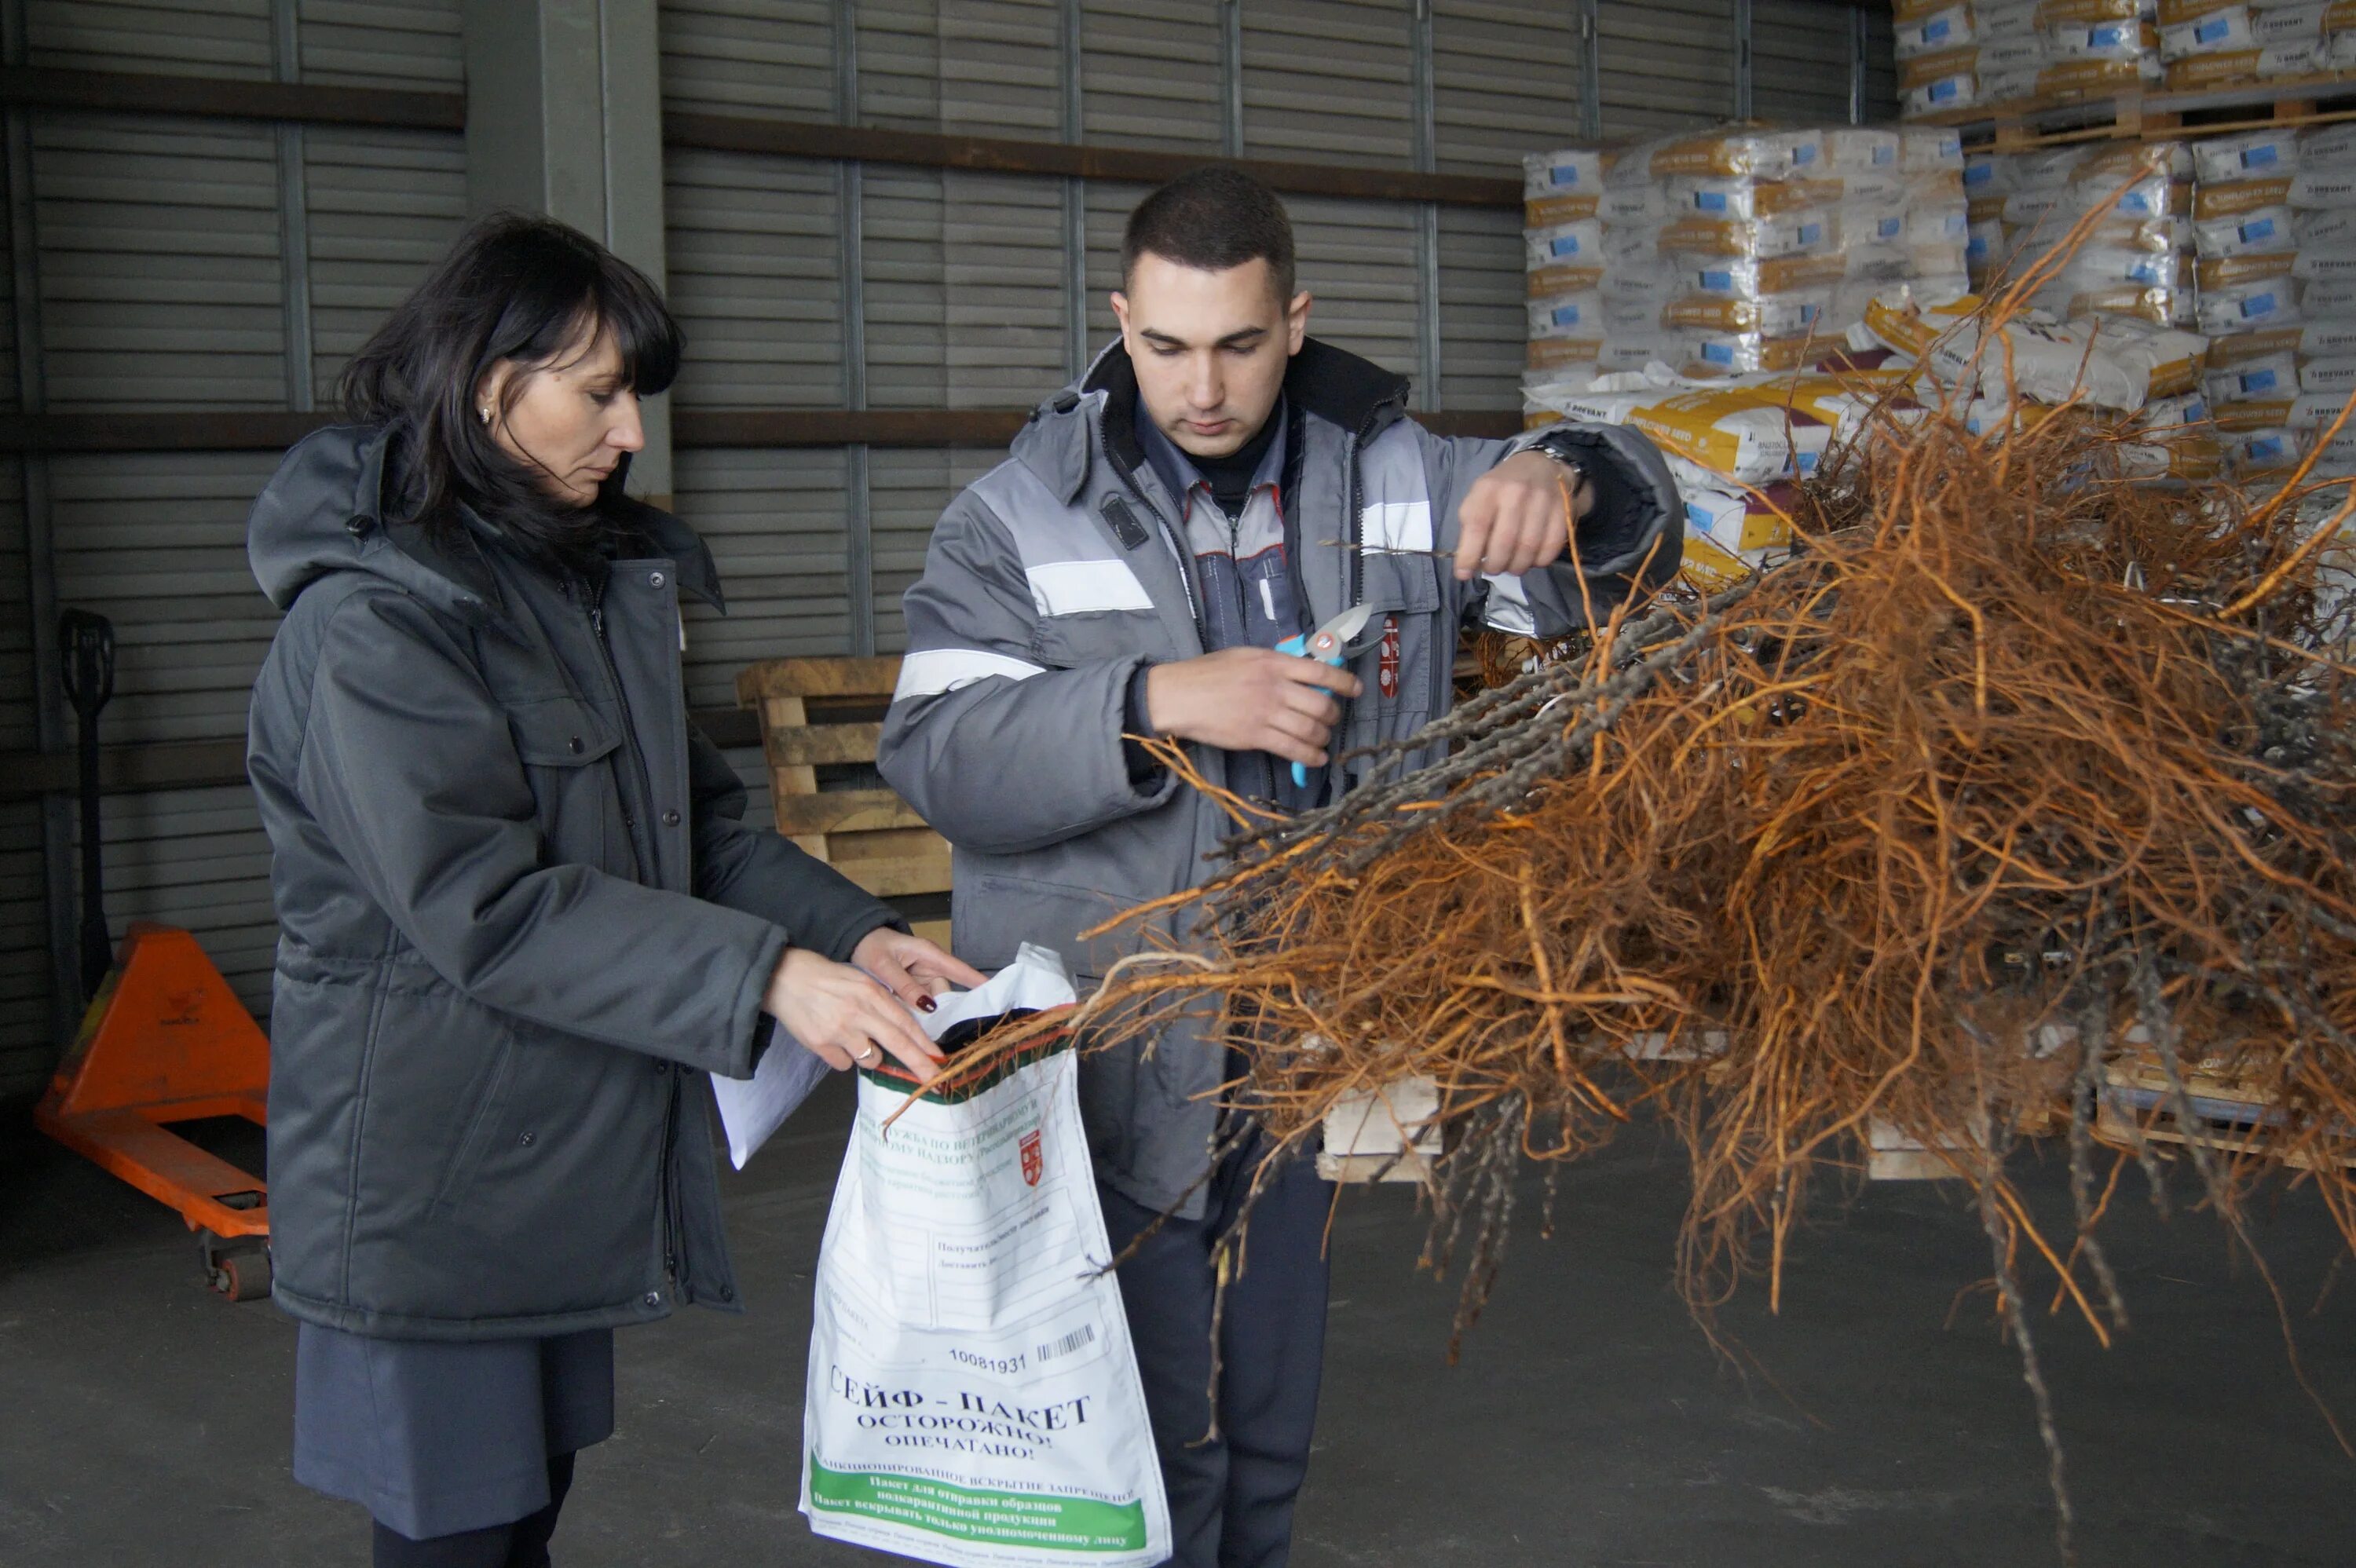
(843, 1017)
(914, 969)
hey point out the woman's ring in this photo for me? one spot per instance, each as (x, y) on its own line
(872, 1054)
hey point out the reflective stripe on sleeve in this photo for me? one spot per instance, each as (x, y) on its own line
(936, 670)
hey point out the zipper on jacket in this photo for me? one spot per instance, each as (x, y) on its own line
(1354, 574)
(674, 1227)
(1353, 567)
(1353, 523)
(629, 727)
(674, 1247)
(1170, 537)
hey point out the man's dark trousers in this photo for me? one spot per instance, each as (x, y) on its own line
(1231, 1497)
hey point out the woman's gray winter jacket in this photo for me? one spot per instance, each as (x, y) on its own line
(519, 921)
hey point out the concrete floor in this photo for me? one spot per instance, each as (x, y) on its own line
(1590, 1423)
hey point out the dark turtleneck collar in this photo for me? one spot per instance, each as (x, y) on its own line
(1322, 381)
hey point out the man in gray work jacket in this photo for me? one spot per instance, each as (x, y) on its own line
(1215, 482)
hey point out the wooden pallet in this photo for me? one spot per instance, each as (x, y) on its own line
(2228, 1115)
(827, 713)
(1391, 1133)
(1892, 1156)
(2151, 116)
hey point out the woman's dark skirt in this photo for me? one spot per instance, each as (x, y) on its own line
(433, 1438)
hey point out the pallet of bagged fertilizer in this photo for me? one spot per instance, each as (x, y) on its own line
(2232, 1117)
(820, 722)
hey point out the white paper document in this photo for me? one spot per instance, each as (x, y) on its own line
(753, 1108)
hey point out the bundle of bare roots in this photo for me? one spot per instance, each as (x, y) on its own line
(2017, 766)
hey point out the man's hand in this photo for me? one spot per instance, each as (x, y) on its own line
(1512, 519)
(844, 1017)
(1250, 700)
(914, 969)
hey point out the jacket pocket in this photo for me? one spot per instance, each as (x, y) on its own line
(1069, 641)
(992, 915)
(487, 1097)
(1408, 584)
(566, 748)
(1402, 640)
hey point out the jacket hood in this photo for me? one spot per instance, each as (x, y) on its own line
(322, 512)
(1059, 443)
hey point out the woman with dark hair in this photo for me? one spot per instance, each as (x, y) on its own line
(519, 918)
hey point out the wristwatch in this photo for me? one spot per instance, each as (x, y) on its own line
(1559, 446)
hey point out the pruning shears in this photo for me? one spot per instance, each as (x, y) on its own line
(1328, 644)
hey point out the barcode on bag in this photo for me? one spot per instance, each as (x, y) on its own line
(1086, 1334)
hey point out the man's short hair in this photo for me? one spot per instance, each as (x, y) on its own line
(1212, 218)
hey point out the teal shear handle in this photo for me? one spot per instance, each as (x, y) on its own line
(1328, 644)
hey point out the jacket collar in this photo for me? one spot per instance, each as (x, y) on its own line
(1322, 383)
(468, 566)
(1179, 475)
(693, 567)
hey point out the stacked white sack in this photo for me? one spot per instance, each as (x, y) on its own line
(1562, 242)
(1743, 251)
(2108, 233)
(2276, 217)
(2111, 224)
(2115, 365)
(1721, 248)
(1996, 52)
(2209, 44)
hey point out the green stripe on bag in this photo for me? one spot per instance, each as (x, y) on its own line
(993, 1518)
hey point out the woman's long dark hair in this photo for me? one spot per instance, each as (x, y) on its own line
(514, 287)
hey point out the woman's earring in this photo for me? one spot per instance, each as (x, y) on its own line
(485, 413)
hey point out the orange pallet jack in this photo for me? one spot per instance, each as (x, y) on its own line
(164, 1040)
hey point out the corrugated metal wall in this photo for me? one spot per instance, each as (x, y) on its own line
(964, 293)
(1666, 64)
(164, 282)
(167, 281)
(1150, 78)
(1880, 65)
(1792, 43)
(27, 1011)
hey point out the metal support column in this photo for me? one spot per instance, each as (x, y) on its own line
(293, 214)
(849, 183)
(1591, 72)
(564, 116)
(1427, 213)
(57, 846)
(1075, 204)
(1856, 52)
(1231, 75)
(1743, 60)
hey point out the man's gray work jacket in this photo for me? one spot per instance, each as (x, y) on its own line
(1054, 577)
(519, 922)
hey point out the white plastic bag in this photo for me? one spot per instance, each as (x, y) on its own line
(973, 1397)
